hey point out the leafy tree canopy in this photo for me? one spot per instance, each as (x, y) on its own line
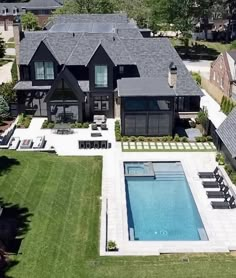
(29, 21)
(4, 109)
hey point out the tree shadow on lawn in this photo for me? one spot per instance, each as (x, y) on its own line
(6, 163)
(14, 224)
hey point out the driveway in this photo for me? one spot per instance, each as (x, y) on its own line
(5, 73)
(201, 66)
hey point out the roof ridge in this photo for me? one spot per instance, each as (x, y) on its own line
(51, 48)
(73, 49)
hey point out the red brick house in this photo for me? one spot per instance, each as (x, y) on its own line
(223, 73)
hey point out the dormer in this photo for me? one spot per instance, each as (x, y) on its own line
(100, 70)
(43, 65)
(4, 11)
(15, 11)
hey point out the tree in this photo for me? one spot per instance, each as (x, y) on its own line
(2, 48)
(29, 21)
(230, 7)
(6, 91)
(86, 6)
(4, 109)
(203, 119)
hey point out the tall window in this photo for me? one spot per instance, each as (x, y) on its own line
(101, 76)
(44, 70)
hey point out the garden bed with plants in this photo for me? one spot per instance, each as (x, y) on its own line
(5, 124)
(169, 138)
(79, 125)
(47, 124)
(24, 121)
(220, 158)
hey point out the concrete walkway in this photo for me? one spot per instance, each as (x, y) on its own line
(214, 114)
(5, 73)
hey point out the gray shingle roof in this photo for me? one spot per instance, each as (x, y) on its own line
(232, 53)
(152, 56)
(27, 85)
(33, 4)
(144, 87)
(227, 132)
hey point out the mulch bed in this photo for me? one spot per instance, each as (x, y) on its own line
(5, 125)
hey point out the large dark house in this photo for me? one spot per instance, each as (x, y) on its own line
(85, 65)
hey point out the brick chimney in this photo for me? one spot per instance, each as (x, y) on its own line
(172, 75)
(18, 36)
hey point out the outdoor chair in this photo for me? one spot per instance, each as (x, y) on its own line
(96, 145)
(104, 144)
(99, 119)
(104, 126)
(219, 194)
(209, 175)
(81, 144)
(88, 145)
(225, 204)
(212, 184)
(94, 126)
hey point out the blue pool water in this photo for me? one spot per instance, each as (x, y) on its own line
(161, 207)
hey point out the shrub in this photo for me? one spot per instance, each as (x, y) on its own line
(222, 104)
(118, 138)
(14, 75)
(73, 125)
(51, 125)
(45, 124)
(209, 138)
(149, 139)
(4, 109)
(86, 125)
(6, 90)
(164, 138)
(156, 139)
(184, 139)
(203, 139)
(125, 138)
(111, 246)
(198, 139)
(170, 138)
(27, 121)
(141, 138)
(221, 160)
(176, 138)
(132, 139)
(218, 155)
(197, 77)
(79, 125)
(228, 168)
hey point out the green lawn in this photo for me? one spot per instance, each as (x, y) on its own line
(62, 194)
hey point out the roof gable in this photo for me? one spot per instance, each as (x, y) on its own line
(100, 54)
(70, 81)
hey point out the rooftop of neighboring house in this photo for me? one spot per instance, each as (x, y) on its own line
(227, 132)
(9, 8)
(74, 39)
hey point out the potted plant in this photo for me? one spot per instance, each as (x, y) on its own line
(111, 245)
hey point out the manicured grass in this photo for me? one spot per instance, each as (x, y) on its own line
(62, 193)
(204, 49)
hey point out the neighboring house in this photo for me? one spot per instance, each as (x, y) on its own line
(223, 73)
(41, 8)
(227, 135)
(85, 65)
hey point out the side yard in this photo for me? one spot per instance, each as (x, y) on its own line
(62, 196)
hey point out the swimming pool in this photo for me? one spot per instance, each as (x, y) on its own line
(161, 206)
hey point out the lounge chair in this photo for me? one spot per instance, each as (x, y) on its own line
(212, 184)
(225, 204)
(209, 175)
(219, 194)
